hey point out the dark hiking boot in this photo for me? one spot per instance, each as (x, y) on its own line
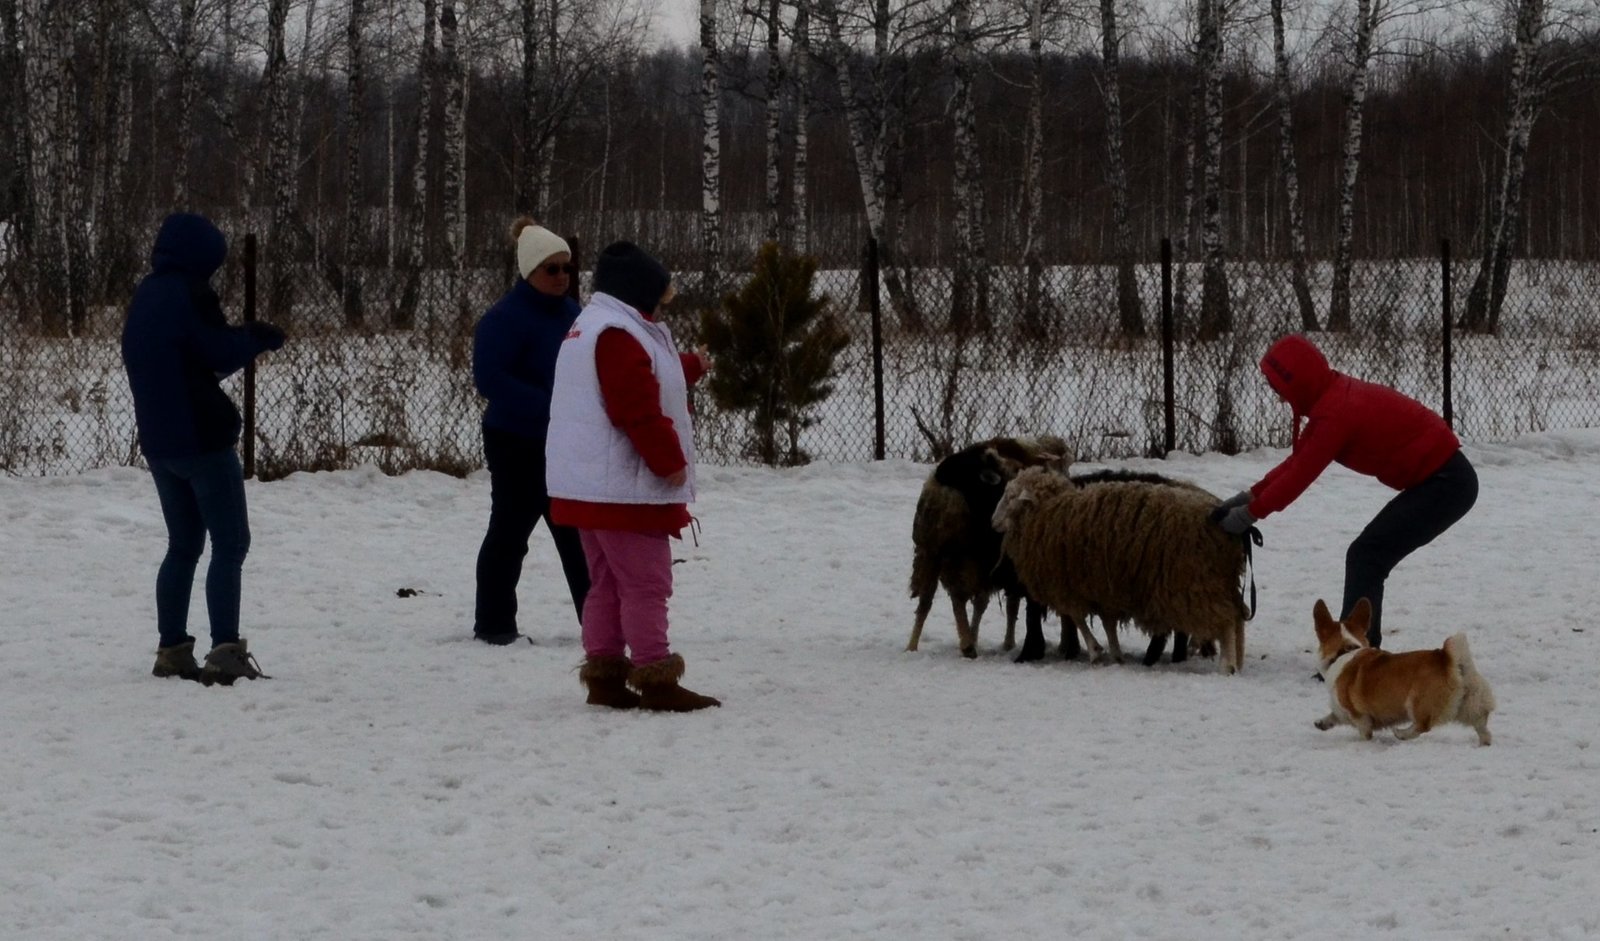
(228, 662)
(501, 638)
(177, 660)
(606, 678)
(659, 691)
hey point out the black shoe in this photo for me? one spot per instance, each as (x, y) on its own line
(501, 639)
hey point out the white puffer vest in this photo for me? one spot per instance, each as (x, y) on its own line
(588, 458)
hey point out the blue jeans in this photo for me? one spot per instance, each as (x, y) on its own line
(200, 495)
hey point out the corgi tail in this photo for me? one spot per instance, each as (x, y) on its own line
(1477, 697)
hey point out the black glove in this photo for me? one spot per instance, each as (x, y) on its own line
(268, 336)
(1234, 520)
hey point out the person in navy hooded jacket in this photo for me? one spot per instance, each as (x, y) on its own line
(513, 365)
(1372, 430)
(176, 347)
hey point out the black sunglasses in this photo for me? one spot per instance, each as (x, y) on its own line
(553, 269)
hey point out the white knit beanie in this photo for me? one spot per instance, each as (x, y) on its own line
(535, 243)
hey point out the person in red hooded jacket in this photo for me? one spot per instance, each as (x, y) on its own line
(1372, 430)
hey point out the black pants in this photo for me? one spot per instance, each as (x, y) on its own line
(518, 501)
(1410, 521)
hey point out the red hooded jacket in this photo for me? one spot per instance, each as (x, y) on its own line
(1368, 428)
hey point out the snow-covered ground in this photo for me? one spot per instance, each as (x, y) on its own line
(396, 780)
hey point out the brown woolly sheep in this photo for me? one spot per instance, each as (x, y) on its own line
(953, 544)
(1126, 551)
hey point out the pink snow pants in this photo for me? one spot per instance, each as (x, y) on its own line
(630, 580)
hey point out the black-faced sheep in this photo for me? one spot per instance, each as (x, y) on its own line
(1127, 552)
(954, 545)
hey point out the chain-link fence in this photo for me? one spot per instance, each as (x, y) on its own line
(1008, 352)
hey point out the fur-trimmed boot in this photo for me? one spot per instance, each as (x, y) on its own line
(606, 678)
(177, 660)
(659, 691)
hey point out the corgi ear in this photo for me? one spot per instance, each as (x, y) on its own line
(1320, 615)
(1360, 617)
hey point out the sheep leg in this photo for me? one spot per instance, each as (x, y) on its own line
(1033, 637)
(1180, 646)
(1097, 653)
(1070, 648)
(1113, 645)
(1229, 662)
(924, 604)
(1013, 599)
(967, 631)
(1158, 645)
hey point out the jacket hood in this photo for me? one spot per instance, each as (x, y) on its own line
(1297, 371)
(188, 244)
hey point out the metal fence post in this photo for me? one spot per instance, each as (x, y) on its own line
(250, 367)
(877, 349)
(1168, 393)
(1447, 333)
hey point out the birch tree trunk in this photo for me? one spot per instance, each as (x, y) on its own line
(1216, 316)
(1033, 321)
(455, 162)
(184, 56)
(711, 152)
(1487, 296)
(355, 129)
(555, 61)
(1191, 192)
(280, 168)
(46, 37)
(110, 258)
(14, 130)
(1130, 312)
(800, 227)
(1355, 100)
(526, 167)
(774, 191)
(1299, 276)
(405, 312)
(969, 305)
(867, 126)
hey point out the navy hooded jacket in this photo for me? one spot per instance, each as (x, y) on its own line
(177, 345)
(514, 358)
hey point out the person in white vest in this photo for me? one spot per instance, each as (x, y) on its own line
(619, 464)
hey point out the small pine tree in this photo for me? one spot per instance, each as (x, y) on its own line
(774, 346)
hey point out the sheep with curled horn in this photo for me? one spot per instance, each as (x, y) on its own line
(954, 546)
(1128, 552)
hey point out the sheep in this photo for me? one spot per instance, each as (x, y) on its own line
(981, 479)
(1128, 552)
(953, 544)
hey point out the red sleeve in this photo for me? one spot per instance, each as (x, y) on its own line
(1319, 444)
(693, 372)
(633, 401)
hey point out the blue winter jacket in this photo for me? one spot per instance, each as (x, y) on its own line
(514, 358)
(177, 345)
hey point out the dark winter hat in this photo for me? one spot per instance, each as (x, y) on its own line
(628, 273)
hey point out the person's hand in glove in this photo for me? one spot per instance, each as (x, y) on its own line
(269, 336)
(1234, 515)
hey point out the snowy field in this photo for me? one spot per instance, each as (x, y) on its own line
(395, 780)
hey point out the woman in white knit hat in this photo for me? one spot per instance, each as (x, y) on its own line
(513, 365)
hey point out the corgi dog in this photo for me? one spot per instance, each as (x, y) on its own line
(1374, 689)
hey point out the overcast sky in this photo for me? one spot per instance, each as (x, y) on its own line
(676, 21)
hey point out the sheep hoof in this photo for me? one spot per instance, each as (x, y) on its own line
(971, 653)
(1030, 654)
